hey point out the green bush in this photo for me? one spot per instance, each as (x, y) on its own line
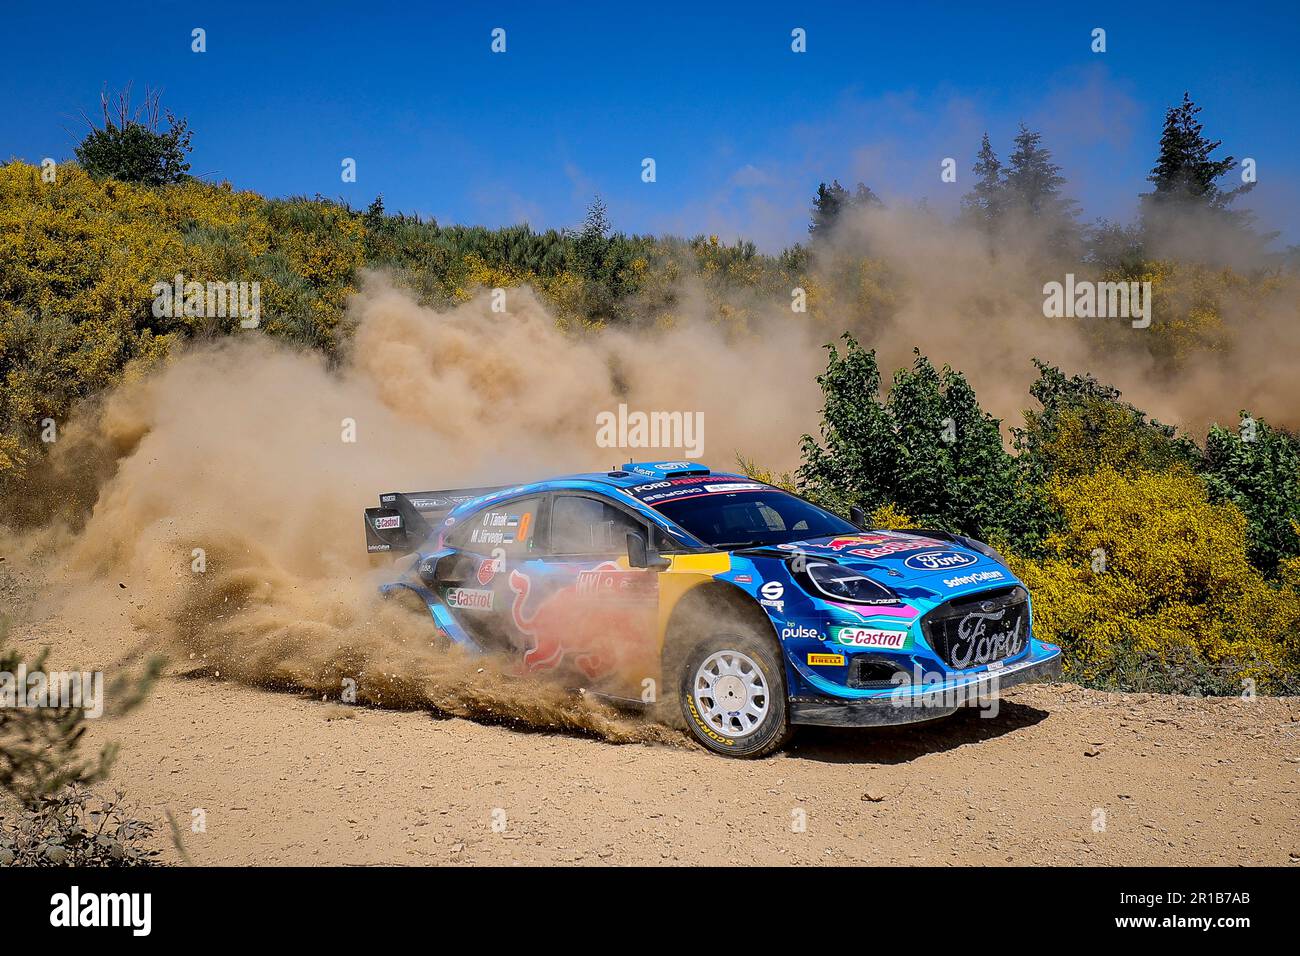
(74, 828)
(1257, 468)
(926, 449)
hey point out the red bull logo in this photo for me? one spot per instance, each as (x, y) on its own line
(896, 546)
(602, 622)
(839, 544)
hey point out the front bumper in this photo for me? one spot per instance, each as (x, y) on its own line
(909, 704)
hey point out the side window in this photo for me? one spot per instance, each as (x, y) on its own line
(667, 543)
(510, 526)
(588, 526)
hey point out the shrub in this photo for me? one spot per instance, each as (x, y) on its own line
(131, 147)
(1258, 470)
(1083, 425)
(1146, 585)
(40, 747)
(43, 774)
(927, 449)
(73, 828)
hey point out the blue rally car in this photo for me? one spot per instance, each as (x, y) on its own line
(752, 608)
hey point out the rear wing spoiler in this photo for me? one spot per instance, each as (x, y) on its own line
(405, 519)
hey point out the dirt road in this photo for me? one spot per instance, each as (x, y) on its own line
(1060, 776)
(287, 780)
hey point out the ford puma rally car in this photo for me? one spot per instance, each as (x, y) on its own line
(750, 607)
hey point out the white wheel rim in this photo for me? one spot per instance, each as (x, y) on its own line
(731, 693)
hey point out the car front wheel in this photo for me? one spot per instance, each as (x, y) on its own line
(733, 695)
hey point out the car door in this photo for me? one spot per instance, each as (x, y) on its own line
(494, 540)
(577, 608)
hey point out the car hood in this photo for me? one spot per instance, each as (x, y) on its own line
(894, 556)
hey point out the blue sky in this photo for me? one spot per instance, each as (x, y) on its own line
(741, 128)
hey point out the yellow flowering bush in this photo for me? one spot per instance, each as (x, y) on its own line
(79, 258)
(1146, 585)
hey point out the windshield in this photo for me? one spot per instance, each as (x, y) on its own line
(752, 518)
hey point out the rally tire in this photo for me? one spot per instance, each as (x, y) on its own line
(735, 668)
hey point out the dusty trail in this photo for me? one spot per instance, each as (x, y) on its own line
(1181, 782)
(284, 779)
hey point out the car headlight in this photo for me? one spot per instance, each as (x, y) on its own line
(838, 583)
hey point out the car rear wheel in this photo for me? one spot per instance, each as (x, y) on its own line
(733, 695)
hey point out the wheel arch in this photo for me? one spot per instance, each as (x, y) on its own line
(703, 603)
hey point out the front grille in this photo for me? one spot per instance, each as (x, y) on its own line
(980, 628)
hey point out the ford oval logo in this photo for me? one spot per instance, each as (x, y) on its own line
(940, 560)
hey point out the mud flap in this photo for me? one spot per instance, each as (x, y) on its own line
(442, 617)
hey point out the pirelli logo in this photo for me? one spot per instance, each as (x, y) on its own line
(826, 660)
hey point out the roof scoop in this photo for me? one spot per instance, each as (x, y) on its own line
(665, 469)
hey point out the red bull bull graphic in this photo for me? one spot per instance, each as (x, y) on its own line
(599, 625)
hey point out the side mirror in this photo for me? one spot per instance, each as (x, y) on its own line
(858, 517)
(639, 554)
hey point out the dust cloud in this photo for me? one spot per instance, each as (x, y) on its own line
(236, 449)
(977, 304)
(229, 498)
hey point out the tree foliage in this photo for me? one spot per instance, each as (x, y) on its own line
(1185, 171)
(984, 203)
(1146, 585)
(1187, 204)
(130, 145)
(925, 449)
(1151, 576)
(1257, 468)
(833, 201)
(1083, 425)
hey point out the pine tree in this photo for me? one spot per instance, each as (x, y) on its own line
(1033, 182)
(864, 198)
(596, 223)
(592, 241)
(829, 203)
(1032, 187)
(1184, 170)
(983, 204)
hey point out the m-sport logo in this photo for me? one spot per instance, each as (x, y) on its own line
(940, 560)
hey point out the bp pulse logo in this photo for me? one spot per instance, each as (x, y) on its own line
(940, 560)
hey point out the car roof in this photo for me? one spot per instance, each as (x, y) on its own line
(625, 478)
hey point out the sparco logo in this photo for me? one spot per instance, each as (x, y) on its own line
(939, 560)
(975, 646)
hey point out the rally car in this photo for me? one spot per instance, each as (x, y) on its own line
(754, 608)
